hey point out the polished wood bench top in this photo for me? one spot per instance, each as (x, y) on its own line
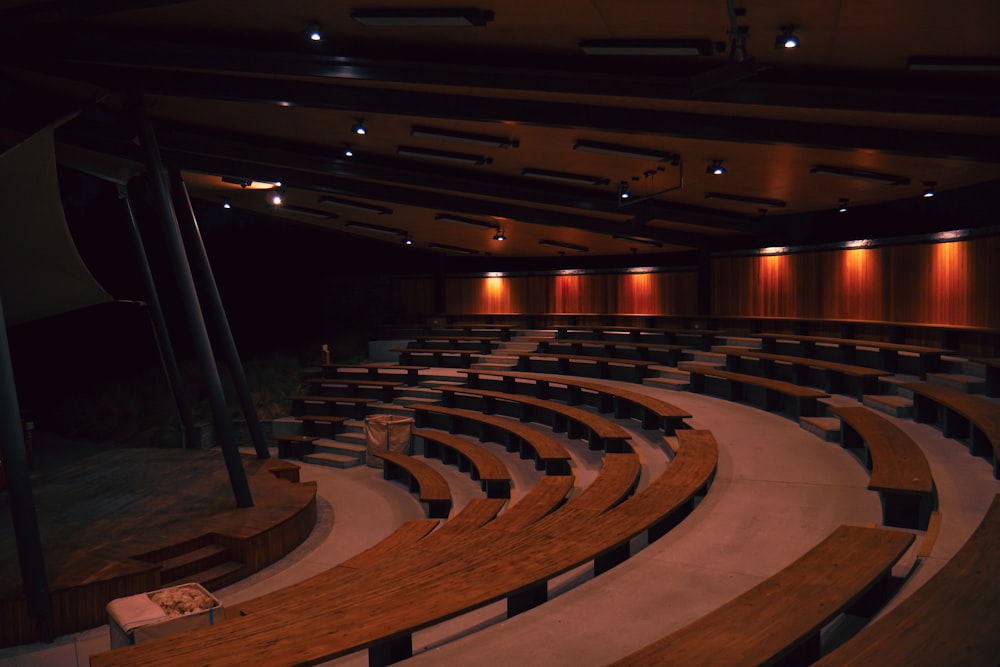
(601, 427)
(950, 620)
(396, 597)
(781, 386)
(773, 618)
(898, 464)
(846, 369)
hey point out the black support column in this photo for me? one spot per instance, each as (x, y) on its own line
(215, 312)
(190, 436)
(22, 500)
(192, 309)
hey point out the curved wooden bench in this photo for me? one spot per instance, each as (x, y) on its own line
(572, 364)
(410, 373)
(623, 402)
(548, 453)
(779, 620)
(378, 608)
(469, 457)
(611, 348)
(575, 422)
(962, 416)
(433, 488)
(386, 388)
(799, 401)
(899, 470)
(929, 358)
(835, 374)
(950, 620)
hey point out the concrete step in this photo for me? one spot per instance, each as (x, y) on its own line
(970, 384)
(897, 406)
(332, 460)
(673, 383)
(824, 428)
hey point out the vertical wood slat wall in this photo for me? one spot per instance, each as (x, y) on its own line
(952, 283)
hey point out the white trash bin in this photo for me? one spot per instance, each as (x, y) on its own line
(387, 433)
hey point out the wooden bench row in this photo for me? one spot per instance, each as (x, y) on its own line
(576, 423)
(623, 402)
(961, 416)
(779, 620)
(794, 399)
(900, 472)
(378, 607)
(835, 375)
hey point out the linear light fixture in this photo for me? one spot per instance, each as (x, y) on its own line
(564, 177)
(860, 174)
(355, 205)
(953, 64)
(301, 210)
(444, 217)
(444, 156)
(761, 201)
(453, 248)
(638, 239)
(625, 151)
(377, 229)
(646, 47)
(563, 244)
(466, 137)
(461, 16)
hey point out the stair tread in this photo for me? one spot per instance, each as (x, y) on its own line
(200, 553)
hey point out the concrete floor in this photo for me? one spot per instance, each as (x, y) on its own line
(779, 490)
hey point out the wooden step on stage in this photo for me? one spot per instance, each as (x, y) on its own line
(127, 521)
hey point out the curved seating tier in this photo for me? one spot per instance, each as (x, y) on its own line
(380, 606)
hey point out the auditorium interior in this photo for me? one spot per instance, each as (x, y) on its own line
(578, 332)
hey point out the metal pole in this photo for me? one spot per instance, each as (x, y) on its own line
(216, 313)
(22, 500)
(192, 310)
(189, 432)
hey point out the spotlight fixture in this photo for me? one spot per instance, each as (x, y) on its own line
(638, 239)
(564, 177)
(359, 128)
(716, 168)
(466, 137)
(499, 236)
(453, 248)
(414, 18)
(623, 192)
(408, 240)
(276, 197)
(562, 244)
(444, 156)
(226, 204)
(762, 201)
(443, 217)
(646, 47)
(929, 189)
(842, 205)
(355, 205)
(860, 174)
(625, 151)
(314, 32)
(787, 39)
(376, 229)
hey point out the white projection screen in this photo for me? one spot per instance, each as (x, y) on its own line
(41, 271)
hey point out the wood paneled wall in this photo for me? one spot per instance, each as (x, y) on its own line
(954, 283)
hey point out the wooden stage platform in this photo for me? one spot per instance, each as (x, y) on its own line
(125, 521)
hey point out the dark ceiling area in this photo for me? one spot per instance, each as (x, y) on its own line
(530, 122)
